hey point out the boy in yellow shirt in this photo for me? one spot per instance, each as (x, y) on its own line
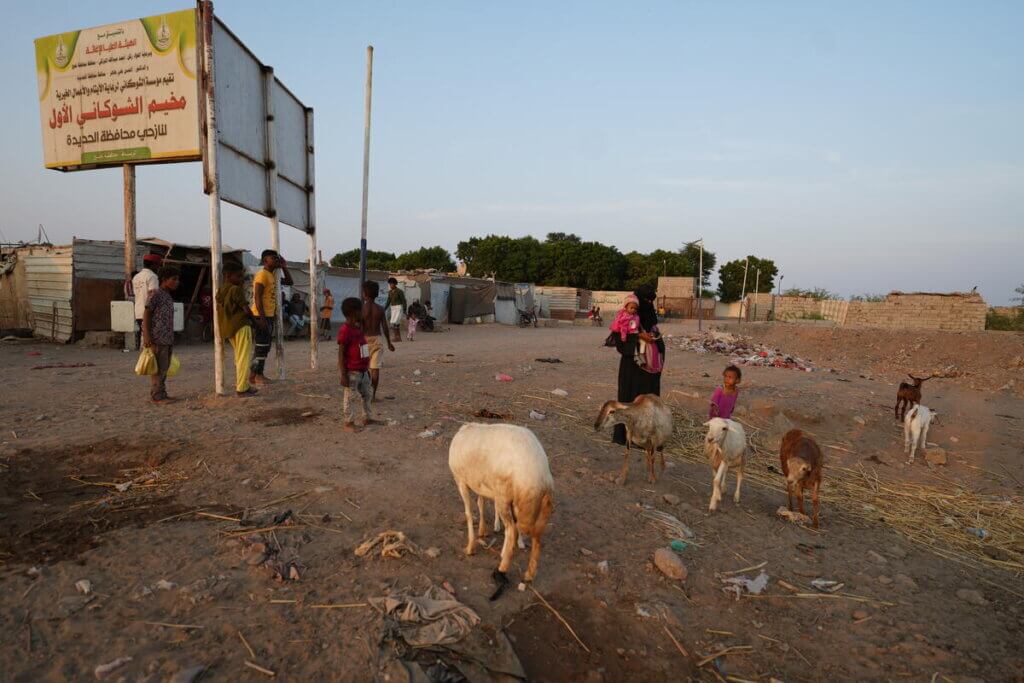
(235, 322)
(264, 309)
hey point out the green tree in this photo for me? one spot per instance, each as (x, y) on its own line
(375, 260)
(815, 293)
(647, 268)
(510, 259)
(436, 257)
(730, 277)
(570, 262)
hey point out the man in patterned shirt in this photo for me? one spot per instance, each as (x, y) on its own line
(158, 330)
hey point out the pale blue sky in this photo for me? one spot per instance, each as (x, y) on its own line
(864, 146)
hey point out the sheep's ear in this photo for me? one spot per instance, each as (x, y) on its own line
(708, 423)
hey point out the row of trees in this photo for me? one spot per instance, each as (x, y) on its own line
(563, 259)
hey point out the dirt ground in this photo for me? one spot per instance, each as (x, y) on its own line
(173, 587)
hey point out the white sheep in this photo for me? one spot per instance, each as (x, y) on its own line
(725, 447)
(915, 429)
(506, 464)
(648, 425)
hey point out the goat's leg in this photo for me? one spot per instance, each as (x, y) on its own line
(509, 546)
(531, 569)
(800, 496)
(906, 438)
(481, 529)
(621, 479)
(716, 486)
(914, 439)
(471, 540)
(497, 520)
(924, 437)
(814, 501)
(789, 496)
(649, 457)
(739, 481)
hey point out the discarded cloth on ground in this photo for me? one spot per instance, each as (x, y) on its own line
(392, 544)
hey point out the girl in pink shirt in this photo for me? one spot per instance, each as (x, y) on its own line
(627, 320)
(723, 401)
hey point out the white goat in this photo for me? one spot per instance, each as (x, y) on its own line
(725, 447)
(915, 429)
(506, 464)
(648, 425)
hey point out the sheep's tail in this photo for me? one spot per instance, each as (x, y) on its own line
(535, 512)
(912, 413)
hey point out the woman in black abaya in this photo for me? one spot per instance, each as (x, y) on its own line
(633, 380)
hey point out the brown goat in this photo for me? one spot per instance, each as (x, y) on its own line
(801, 465)
(908, 396)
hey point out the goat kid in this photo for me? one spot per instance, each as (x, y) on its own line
(801, 464)
(908, 395)
(506, 464)
(915, 429)
(725, 446)
(648, 424)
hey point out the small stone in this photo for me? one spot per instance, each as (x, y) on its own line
(521, 587)
(189, 674)
(860, 420)
(104, 670)
(953, 439)
(671, 499)
(884, 580)
(417, 373)
(293, 573)
(669, 564)
(602, 566)
(84, 586)
(433, 553)
(876, 558)
(897, 551)
(585, 552)
(620, 651)
(859, 614)
(165, 585)
(560, 392)
(904, 582)
(935, 456)
(972, 596)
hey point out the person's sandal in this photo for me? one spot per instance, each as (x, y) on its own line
(247, 393)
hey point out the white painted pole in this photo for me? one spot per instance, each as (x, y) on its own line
(366, 165)
(206, 9)
(700, 289)
(270, 149)
(129, 235)
(757, 290)
(743, 293)
(314, 287)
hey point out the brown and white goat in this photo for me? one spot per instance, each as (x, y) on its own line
(908, 396)
(648, 424)
(506, 464)
(802, 462)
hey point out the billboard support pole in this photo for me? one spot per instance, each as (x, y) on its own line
(206, 11)
(757, 291)
(275, 228)
(314, 320)
(743, 292)
(129, 234)
(366, 166)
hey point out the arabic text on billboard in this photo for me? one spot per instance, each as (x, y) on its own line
(121, 93)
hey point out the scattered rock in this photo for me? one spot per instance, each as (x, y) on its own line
(898, 552)
(560, 392)
(602, 566)
(954, 439)
(671, 499)
(972, 596)
(904, 582)
(189, 674)
(669, 564)
(165, 585)
(417, 373)
(876, 558)
(884, 580)
(859, 614)
(427, 434)
(537, 415)
(104, 670)
(935, 456)
(433, 553)
(860, 420)
(84, 586)
(585, 552)
(521, 587)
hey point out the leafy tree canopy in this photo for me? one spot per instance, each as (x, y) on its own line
(730, 277)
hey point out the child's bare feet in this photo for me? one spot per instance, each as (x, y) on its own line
(350, 428)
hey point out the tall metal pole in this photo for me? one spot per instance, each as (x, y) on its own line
(206, 9)
(366, 165)
(743, 294)
(270, 149)
(700, 288)
(314, 287)
(757, 291)
(129, 234)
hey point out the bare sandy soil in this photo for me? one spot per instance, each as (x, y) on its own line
(904, 613)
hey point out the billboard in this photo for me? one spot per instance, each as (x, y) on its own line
(264, 136)
(120, 93)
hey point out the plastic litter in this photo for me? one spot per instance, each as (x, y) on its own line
(559, 392)
(677, 545)
(427, 434)
(738, 584)
(980, 533)
(792, 515)
(826, 585)
(742, 350)
(84, 586)
(502, 377)
(538, 415)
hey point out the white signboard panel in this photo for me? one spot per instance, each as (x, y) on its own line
(264, 136)
(120, 93)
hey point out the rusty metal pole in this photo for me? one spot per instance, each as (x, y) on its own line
(366, 165)
(129, 235)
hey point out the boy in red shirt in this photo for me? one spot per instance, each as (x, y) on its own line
(354, 363)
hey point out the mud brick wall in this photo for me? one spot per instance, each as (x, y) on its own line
(790, 307)
(763, 303)
(952, 313)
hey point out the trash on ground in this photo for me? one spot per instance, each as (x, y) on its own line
(502, 377)
(538, 415)
(392, 544)
(559, 392)
(427, 434)
(677, 545)
(548, 360)
(84, 586)
(792, 515)
(827, 585)
(975, 531)
(739, 584)
(490, 414)
(669, 524)
(741, 350)
(104, 670)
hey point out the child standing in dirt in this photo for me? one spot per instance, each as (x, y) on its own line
(354, 364)
(158, 330)
(723, 401)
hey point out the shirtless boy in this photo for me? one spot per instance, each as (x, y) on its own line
(374, 324)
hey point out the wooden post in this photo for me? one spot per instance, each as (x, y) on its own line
(366, 165)
(129, 235)
(757, 290)
(206, 10)
(275, 228)
(314, 316)
(743, 293)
